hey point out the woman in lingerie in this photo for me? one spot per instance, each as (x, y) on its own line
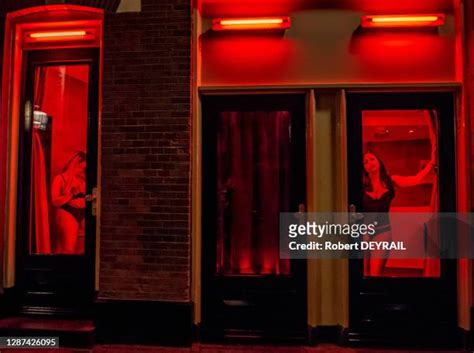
(68, 196)
(379, 191)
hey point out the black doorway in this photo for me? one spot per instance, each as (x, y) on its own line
(403, 302)
(253, 168)
(55, 263)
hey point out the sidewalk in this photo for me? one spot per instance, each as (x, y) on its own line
(207, 348)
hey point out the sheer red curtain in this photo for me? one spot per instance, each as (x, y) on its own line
(40, 241)
(253, 176)
(432, 267)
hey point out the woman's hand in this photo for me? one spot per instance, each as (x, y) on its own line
(74, 191)
(433, 155)
(68, 188)
(405, 181)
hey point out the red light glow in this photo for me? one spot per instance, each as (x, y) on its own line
(63, 35)
(251, 23)
(394, 21)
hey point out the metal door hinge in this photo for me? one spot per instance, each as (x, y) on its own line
(93, 198)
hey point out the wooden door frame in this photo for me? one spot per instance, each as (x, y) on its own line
(52, 57)
(356, 103)
(251, 101)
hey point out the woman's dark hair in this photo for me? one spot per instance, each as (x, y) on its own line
(384, 177)
(80, 156)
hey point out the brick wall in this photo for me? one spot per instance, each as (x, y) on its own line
(145, 229)
(13, 5)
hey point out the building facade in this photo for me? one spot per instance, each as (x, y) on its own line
(181, 180)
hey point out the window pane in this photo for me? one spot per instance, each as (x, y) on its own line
(253, 187)
(58, 160)
(399, 177)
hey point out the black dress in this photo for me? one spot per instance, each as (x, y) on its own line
(376, 210)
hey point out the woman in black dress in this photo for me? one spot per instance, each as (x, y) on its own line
(379, 191)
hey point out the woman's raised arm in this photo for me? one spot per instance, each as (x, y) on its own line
(60, 193)
(405, 181)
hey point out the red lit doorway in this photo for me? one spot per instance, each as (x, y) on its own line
(57, 182)
(254, 167)
(401, 149)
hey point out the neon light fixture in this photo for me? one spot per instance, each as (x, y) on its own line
(402, 21)
(63, 35)
(257, 23)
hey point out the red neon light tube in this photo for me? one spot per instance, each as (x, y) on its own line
(403, 21)
(232, 24)
(63, 35)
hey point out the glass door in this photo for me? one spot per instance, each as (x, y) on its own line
(400, 158)
(253, 169)
(58, 178)
(402, 162)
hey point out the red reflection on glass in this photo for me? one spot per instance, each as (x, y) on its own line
(399, 156)
(253, 176)
(58, 160)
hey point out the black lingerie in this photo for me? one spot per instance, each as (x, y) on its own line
(77, 213)
(377, 210)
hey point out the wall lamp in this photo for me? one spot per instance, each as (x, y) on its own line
(255, 23)
(402, 21)
(57, 36)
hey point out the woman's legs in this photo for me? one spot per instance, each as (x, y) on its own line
(66, 232)
(375, 260)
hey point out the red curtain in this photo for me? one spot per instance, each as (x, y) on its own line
(40, 241)
(253, 187)
(432, 267)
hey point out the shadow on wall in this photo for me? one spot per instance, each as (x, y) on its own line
(410, 53)
(247, 57)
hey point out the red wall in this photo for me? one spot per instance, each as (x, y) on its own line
(326, 46)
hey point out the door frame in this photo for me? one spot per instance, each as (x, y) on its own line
(87, 261)
(18, 25)
(402, 99)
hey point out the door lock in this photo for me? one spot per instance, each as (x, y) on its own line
(93, 199)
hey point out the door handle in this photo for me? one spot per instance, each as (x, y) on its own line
(28, 115)
(93, 199)
(354, 215)
(300, 215)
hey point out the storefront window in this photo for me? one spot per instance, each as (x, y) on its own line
(253, 187)
(58, 160)
(400, 157)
